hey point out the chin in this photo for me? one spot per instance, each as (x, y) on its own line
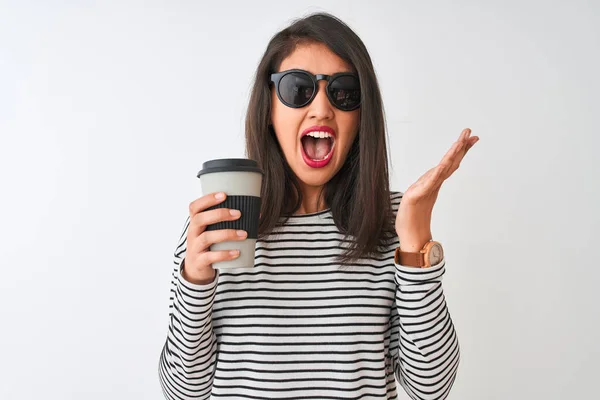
(315, 177)
(315, 181)
(309, 176)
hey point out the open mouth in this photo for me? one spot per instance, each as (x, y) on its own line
(317, 148)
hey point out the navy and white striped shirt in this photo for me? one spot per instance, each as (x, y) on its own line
(298, 326)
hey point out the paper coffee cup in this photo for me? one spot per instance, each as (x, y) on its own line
(241, 180)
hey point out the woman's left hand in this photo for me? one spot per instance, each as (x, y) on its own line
(413, 221)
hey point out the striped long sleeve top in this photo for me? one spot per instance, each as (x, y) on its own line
(298, 326)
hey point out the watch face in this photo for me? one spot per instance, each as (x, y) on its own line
(436, 254)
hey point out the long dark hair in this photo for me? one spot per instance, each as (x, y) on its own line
(359, 194)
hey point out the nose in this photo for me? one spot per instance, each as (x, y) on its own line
(320, 108)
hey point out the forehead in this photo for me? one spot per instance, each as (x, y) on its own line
(315, 58)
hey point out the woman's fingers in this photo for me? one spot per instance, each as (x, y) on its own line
(208, 238)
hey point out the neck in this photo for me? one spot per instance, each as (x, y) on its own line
(310, 195)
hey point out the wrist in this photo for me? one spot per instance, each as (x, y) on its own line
(205, 278)
(413, 243)
(414, 231)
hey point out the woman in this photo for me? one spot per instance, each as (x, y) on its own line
(336, 305)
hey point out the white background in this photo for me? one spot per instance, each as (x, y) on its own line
(107, 112)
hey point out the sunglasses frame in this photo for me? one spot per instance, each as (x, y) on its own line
(278, 76)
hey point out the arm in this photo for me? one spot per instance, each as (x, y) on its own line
(187, 361)
(424, 347)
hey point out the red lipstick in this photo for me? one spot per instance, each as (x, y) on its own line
(318, 163)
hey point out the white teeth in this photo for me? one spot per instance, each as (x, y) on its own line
(320, 135)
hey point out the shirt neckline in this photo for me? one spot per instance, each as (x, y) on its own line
(310, 217)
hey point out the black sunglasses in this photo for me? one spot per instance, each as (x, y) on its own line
(296, 88)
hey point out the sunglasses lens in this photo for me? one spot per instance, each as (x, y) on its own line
(344, 92)
(296, 89)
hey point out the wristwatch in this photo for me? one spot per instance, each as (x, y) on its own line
(431, 254)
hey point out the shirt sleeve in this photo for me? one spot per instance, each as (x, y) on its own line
(424, 347)
(188, 358)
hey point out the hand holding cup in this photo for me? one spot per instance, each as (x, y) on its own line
(199, 258)
(224, 220)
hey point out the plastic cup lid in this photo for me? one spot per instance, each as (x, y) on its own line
(230, 164)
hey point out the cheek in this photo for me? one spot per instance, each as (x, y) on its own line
(349, 124)
(278, 113)
(286, 121)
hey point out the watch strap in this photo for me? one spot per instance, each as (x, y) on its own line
(409, 259)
